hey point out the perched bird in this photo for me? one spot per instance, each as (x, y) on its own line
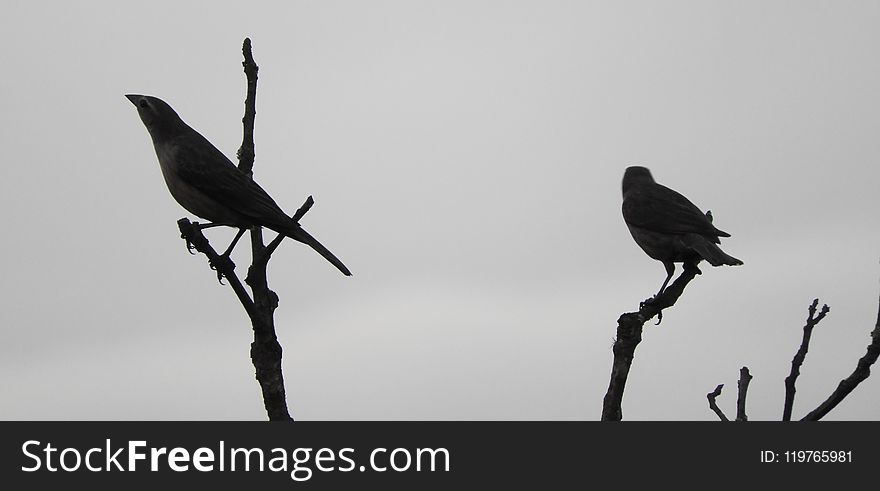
(208, 184)
(667, 226)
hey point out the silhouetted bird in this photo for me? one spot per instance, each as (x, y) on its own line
(667, 226)
(208, 184)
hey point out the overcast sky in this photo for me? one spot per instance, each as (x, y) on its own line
(465, 158)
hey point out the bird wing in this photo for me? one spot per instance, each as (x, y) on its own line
(207, 169)
(660, 209)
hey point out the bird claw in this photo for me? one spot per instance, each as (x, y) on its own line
(189, 245)
(649, 302)
(223, 263)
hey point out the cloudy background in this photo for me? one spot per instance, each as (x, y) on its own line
(465, 158)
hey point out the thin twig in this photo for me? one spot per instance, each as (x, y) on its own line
(847, 385)
(800, 356)
(306, 206)
(246, 151)
(267, 252)
(713, 406)
(629, 335)
(743, 387)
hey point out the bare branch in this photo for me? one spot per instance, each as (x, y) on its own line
(800, 356)
(266, 351)
(246, 151)
(306, 206)
(713, 406)
(629, 335)
(743, 387)
(847, 385)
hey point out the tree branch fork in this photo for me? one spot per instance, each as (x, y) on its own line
(266, 351)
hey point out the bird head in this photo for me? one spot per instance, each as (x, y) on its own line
(156, 115)
(636, 175)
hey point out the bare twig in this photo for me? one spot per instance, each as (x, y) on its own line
(306, 206)
(847, 385)
(800, 356)
(246, 151)
(713, 406)
(629, 335)
(267, 252)
(743, 387)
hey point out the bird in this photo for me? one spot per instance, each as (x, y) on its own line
(207, 184)
(668, 227)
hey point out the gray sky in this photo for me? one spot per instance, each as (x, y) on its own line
(465, 159)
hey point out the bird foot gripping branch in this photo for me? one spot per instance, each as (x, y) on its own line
(667, 297)
(652, 304)
(191, 232)
(186, 233)
(186, 227)
(223, 265)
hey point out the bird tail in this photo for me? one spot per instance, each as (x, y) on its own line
(297, 233)
(712, 253)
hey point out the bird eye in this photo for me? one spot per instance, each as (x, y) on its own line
(143, 103)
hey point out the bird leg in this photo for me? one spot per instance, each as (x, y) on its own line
(670, 270)
(228, 251)
(224, 261)
(234, 241)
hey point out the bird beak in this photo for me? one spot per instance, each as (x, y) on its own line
(133, 98)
